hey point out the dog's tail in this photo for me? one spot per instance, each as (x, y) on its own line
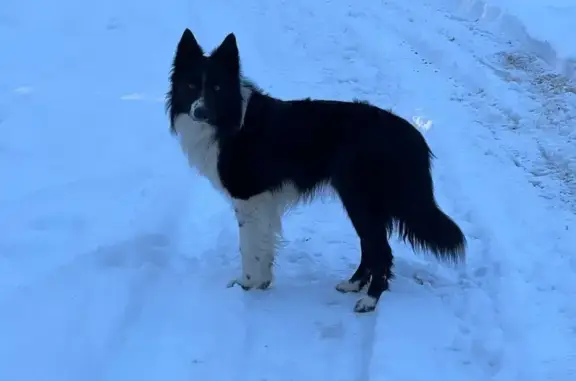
(428, 228)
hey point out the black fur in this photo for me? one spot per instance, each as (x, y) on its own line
(377, 162)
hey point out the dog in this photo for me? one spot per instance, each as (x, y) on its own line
(266, 155)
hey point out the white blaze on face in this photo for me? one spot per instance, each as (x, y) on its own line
(198, 103)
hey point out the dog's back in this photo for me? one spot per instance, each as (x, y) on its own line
(307, 142)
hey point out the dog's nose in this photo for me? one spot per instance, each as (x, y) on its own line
(200, 113)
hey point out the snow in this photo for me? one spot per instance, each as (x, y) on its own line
(114, 256)
(545, 27)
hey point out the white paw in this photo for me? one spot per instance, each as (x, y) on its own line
(366, 304)
(347, 286)
(248, 282)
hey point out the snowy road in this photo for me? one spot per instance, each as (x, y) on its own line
(114, 257)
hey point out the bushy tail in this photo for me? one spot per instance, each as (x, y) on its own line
(431, 229)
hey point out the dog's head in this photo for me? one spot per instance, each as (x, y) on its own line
(206, 88)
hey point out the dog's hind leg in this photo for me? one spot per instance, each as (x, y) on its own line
(371, 220)
(379, 256)
(359, 279)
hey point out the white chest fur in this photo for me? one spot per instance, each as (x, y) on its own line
(200, 147)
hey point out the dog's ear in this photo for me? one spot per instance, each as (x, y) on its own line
(188, 49)
(228, 52)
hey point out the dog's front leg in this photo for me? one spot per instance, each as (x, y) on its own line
(257, 222)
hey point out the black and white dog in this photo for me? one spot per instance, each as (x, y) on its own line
(267, 154)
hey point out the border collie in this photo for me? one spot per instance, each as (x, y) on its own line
(266, 155)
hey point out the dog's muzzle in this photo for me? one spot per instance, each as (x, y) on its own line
(198, 111)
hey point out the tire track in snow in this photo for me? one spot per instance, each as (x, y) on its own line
(179, 328)
(64, 323)
(69, 319)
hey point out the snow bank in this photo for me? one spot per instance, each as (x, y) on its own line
(545, 27)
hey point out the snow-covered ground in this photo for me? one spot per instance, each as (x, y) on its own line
(545, 28)
(114, 256)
